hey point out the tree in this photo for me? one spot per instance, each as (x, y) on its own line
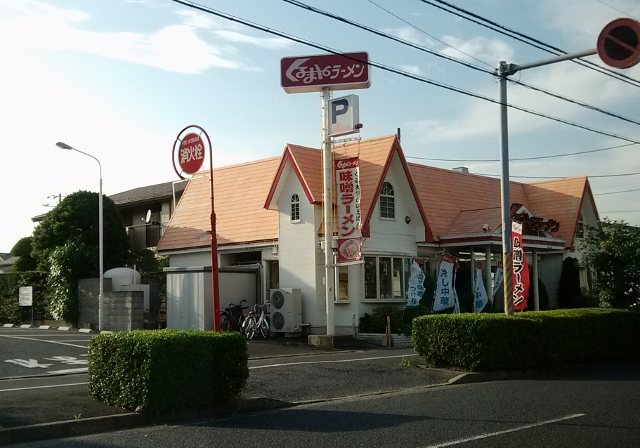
(22, 249)
(613, 254)
(75, 218)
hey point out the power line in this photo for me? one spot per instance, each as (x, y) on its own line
(484, 22)
(396, 71)
(525, 158)
(622, 211)
(617, 192)
(430, 35)
(449, 58)
(561, 177)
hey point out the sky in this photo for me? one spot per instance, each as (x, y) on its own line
(119, 79)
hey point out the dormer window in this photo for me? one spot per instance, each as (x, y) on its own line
(387, 201)
(580, 228)
(295, 208)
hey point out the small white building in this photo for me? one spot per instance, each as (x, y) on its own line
(269, 214)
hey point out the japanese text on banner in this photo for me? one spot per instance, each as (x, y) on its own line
(348, 205)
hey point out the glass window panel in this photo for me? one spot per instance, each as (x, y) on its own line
(398, 272)
(386, 278)
(370, 284)
(343, 282)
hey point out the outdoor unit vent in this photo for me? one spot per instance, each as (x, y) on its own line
(286, 310)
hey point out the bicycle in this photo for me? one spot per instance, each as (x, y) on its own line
(252, 324)
(232, 318)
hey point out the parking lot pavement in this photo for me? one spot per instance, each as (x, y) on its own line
(58, 405)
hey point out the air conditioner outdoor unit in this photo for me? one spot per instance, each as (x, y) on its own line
(286, 310)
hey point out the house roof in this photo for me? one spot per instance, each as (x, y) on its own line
(148, 193)
(561, 200)
(238, 200)
(452, 204)
(375, 157)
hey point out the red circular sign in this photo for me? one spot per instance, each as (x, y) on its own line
(619, 43)
(191, 154)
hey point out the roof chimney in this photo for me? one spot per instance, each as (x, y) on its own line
(461, 169)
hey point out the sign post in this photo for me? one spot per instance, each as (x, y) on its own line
(617, 46)
(191, 148)
(25, 298)
(324, 73)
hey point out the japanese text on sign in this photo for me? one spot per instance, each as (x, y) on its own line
(312, 73)
(349, 217)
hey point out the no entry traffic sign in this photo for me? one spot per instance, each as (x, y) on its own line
(619, 43)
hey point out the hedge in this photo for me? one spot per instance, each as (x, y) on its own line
(487, 342)
(10, 284)
(160, 371)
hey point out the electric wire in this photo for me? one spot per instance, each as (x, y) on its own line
(598, 176)
(452, 59)
(394, 70)
(617, 192)
(430, 35)
(519, 159)
(484, 22)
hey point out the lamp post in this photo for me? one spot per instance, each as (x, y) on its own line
(101, 231)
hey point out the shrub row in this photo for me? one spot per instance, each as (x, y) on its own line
(162, 371)
(10, 284)
(487, 342)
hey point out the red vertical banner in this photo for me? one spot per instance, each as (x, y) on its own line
(348, 204)
(520, 269)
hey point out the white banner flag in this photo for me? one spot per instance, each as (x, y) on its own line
(497, 279)
(480, 297)
(416, 285)
(444, 295)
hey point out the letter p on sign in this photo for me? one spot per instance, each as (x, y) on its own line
(344, 116)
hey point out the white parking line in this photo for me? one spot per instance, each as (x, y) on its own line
(42, 340)
(327, 362)
(506, 431)
(42, 387)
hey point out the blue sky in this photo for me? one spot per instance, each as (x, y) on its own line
(120, 78)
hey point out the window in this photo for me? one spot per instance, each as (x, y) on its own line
(295, 208)
(342, 274)
(386, 278)
(580, 228)
(154, 226)
(387, 201)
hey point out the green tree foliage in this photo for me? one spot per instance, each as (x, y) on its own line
(75, 218)
(613, 254)
(69, 263)
(22, 249)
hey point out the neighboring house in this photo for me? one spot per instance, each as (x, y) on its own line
(269, 212)
(6, 262)
(145, 211)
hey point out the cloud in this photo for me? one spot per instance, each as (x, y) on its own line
(413, 69)
(196, 44)
(411, 35)
(488, 50)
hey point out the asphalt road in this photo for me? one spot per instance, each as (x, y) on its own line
(587, 406)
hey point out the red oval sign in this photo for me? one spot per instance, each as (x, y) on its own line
(619, 43)
(191, 155)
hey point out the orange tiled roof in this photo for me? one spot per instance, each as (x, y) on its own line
(451, 203)
(560, 200)
(444, 194)
(238, 199)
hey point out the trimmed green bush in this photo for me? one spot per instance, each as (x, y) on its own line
(487, 342)
(10, 284)
(162, 371)
(376, 322)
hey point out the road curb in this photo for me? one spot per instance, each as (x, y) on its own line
(119, 422)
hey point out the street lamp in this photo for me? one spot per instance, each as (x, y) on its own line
(101, 232)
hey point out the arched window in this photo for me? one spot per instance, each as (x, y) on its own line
(387, 201)
(295, 208)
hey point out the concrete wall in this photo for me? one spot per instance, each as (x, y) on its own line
(122, 310)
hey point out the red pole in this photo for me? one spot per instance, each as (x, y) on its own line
(214, 250)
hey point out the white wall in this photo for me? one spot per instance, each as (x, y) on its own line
(297, 245)
(189, 305)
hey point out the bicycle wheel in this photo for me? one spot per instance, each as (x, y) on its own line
(224, 322)
(264, 328)
(250, 327)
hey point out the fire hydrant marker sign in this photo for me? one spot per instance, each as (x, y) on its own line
(191, 154)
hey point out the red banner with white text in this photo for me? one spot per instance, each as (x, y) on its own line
(520, 269)
(348, 205)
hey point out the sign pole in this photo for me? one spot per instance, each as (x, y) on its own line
(328, 213)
